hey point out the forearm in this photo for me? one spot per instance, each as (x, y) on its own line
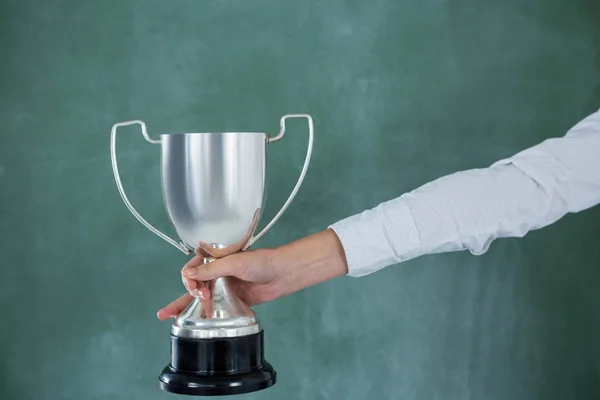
(310, 260)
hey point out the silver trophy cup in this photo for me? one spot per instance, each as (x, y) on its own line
(213, 187)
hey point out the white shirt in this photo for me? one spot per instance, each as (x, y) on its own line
(468, 210)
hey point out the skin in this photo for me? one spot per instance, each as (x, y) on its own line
(263, 275)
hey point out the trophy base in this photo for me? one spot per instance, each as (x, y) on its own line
(217, 367)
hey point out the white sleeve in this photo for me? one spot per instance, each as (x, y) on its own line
(468, 210)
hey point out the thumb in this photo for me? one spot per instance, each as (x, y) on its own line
(227, 266)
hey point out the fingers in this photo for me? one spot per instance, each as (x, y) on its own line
(176, 307)
(190, 284)
(194, 288)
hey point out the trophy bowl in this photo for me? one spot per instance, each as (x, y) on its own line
(214, 191)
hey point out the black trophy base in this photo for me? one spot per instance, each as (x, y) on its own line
(188, 383)
(217, 367)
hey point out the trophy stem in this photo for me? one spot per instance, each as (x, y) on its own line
(223, 314)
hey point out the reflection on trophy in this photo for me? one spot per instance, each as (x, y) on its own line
(213, 188)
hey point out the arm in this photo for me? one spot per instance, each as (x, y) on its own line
(468, 210)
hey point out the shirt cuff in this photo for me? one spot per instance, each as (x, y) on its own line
(377, 238)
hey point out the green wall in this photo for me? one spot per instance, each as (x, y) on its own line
(402, 92)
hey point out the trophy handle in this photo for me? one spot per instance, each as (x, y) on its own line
(113, 158)
(302, 173)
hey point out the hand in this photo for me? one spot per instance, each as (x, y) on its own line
(253, 278)
(264, 275)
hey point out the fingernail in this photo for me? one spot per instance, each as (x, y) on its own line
(190, 272)
(166, 316)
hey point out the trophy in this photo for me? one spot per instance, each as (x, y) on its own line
(213, 187)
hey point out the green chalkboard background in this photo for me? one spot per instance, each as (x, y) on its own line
(402, 92)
